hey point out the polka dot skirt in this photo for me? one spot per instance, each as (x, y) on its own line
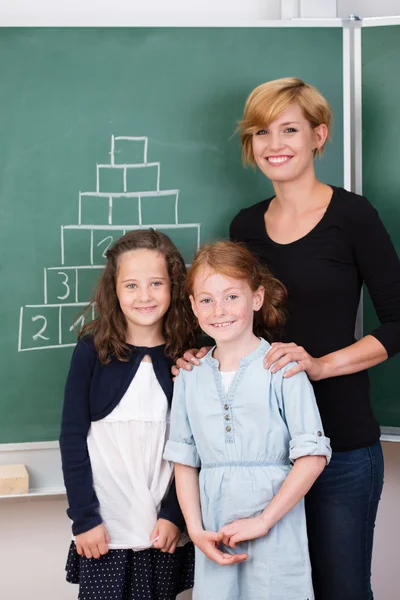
(128, 575)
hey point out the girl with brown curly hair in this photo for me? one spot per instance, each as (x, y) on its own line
(122, 499)
(244, 426)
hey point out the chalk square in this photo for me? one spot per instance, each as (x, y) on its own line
(185, 239)
(142, 179)
(158, 209)
(87, 282)
(111, 179)
(40, 327)
(125, 210)
(76, 246)
(95, 210)
(60, 286)
(129, 152)
(102, 240)
(72, 321)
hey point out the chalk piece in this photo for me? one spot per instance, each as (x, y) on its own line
(14, 479)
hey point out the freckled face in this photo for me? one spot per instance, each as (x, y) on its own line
(224, 306)
(143, 288)
(284, 150)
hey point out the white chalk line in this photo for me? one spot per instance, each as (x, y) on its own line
(140, 210)
(141, 138)
(59, 326)
(59, 305)
(176, 208)
(76, 285)
(21, 311)
(91, 246)
(112, 149)
(145, 165)
(80, 209)
(131, 227)
(131, 194)
(62, 245)
(47, 347)
(110, 206)
(76, 267)
(45, 285)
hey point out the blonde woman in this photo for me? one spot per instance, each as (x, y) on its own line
(323, 243)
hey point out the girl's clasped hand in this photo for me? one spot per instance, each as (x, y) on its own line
(243, 530)
(165, 536)
(210, 542)
(93, 543)
(231, 535)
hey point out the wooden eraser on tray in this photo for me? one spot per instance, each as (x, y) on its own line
(14, 479)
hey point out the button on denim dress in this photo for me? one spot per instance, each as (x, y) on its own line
(245, 440)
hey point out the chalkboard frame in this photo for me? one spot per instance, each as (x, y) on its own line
(233, 186)
(47, 480)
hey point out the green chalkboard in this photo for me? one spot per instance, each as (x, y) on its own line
(73, 103)
(381, 180)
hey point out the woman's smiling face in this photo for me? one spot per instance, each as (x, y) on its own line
(284, 150)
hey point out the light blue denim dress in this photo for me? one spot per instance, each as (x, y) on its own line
(244, 441)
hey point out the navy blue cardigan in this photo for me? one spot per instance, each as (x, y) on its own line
(92, 391)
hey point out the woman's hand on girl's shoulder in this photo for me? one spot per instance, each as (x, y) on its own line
(189, 359)
(281, 354)
(166, 535)
(93, 543)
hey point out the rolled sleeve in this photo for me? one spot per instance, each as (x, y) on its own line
(310, 444)
(300, 411)
(182, 453)
(181, 447)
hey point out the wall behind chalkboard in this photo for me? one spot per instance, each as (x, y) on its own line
(69, 98)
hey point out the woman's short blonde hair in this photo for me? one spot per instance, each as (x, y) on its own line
(267, 101)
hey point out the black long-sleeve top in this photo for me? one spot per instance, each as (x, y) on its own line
(323, 272)
(92, 391)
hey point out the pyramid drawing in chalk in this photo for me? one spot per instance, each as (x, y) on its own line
(127, 197)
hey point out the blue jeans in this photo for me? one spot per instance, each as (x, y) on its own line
(341, 509)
